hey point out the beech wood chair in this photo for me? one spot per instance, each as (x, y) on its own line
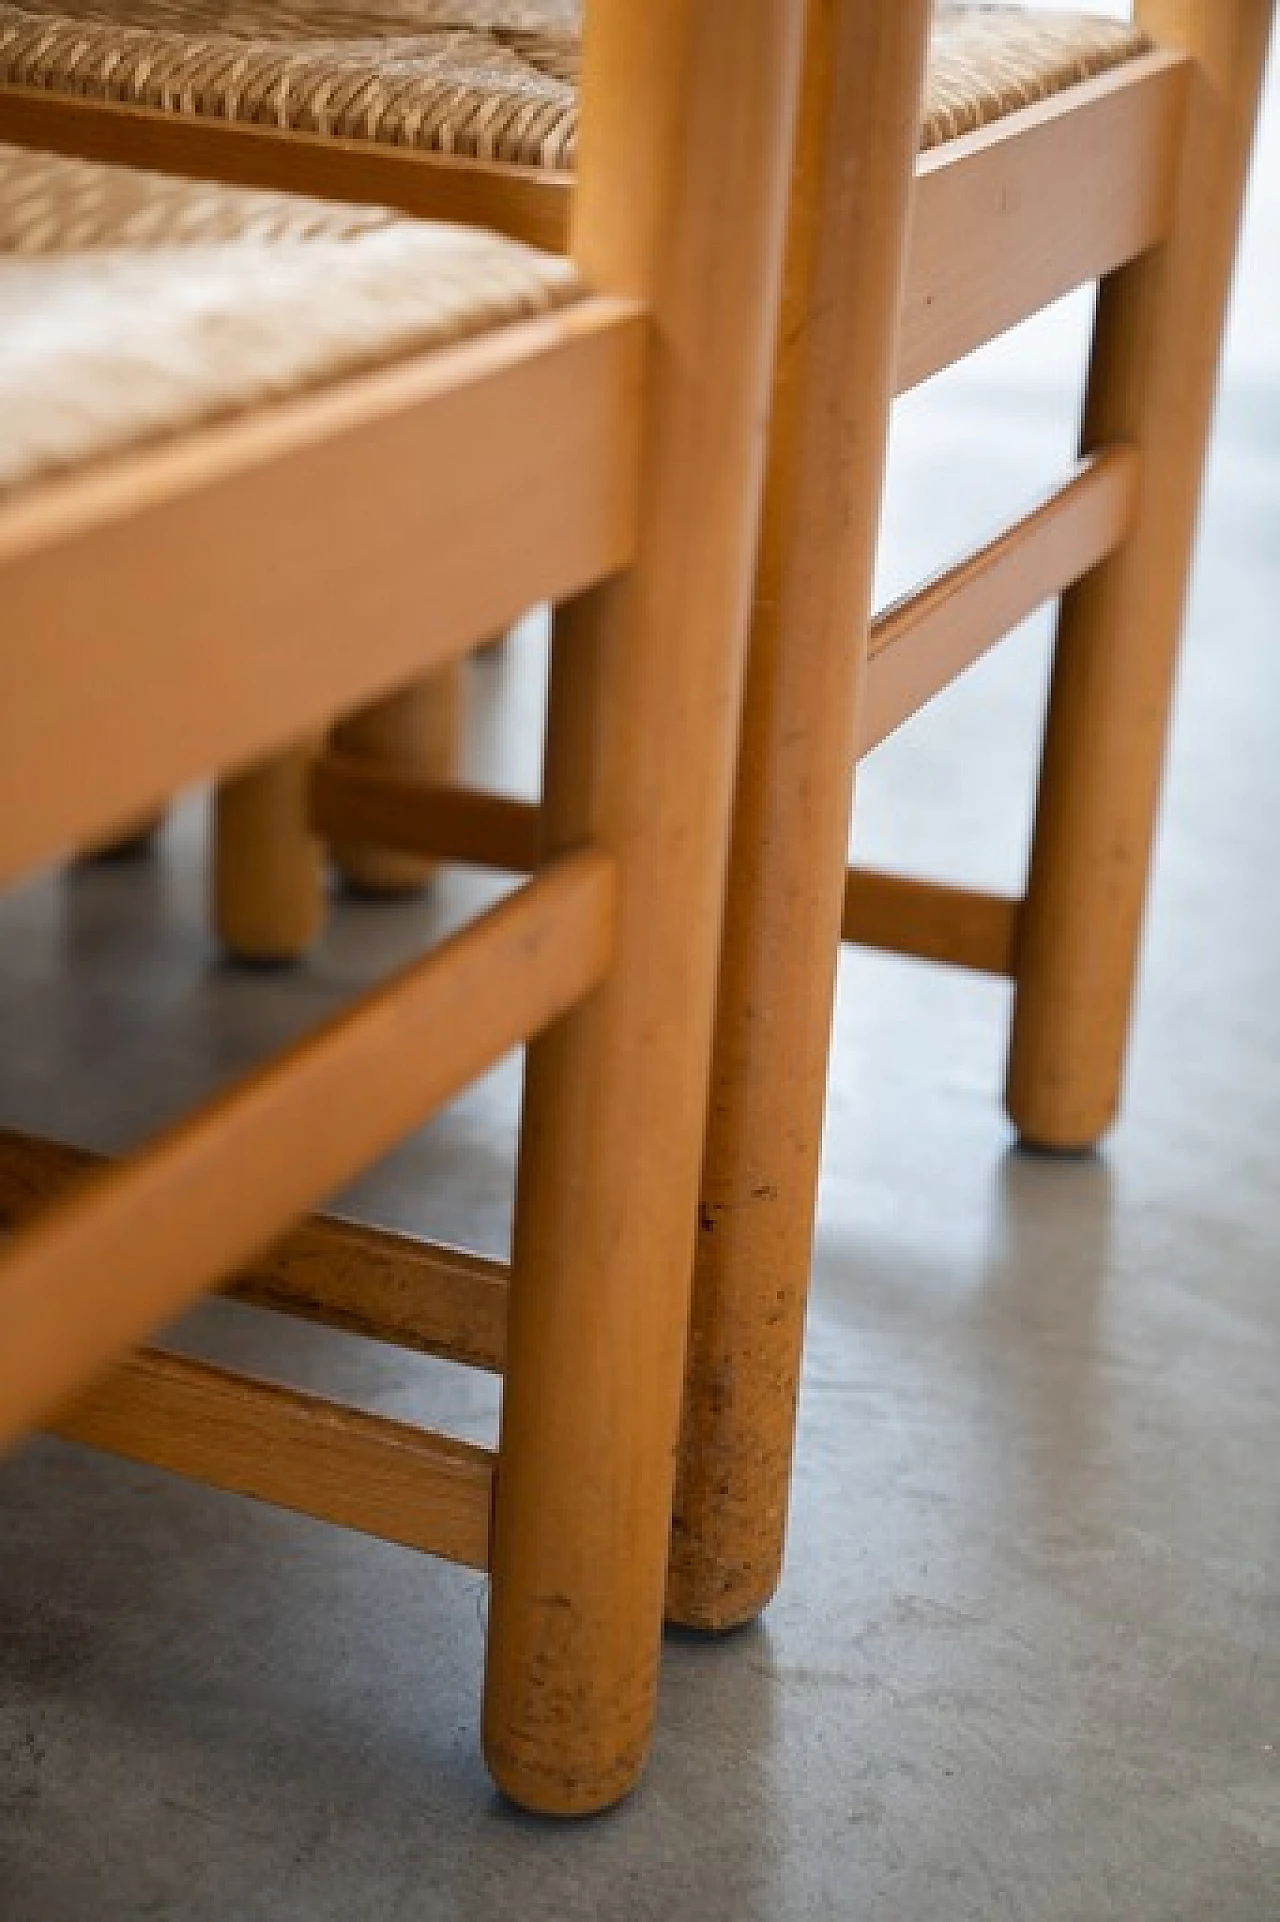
(1058, 153)
(1134, 180)
(456, 108)
(197, 511)
(1056, 150)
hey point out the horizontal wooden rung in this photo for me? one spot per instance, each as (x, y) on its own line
(363, 806)
(90, 1278)
(931, 922)
(393, 1288)
(366, 1281)
(297, 1451)
(924, 641)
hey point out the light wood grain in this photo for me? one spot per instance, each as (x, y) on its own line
(210, 1194)
(1152, 380)
(356, 802)
(924, 641)
(278, 566)
(298, 1451)
(393, 1288)
(327, 501)
(1008, 219)
(851, 182)
(930, 922)
(687, 111)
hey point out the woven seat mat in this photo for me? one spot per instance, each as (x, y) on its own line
(133, 305)
(484, 79)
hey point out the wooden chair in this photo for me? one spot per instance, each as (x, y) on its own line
(1055, 152)
(188, 541)
(472, 115)
(1134, 180)
(1096, 154)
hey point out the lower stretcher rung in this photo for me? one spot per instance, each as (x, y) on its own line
(923, 642)
(296, 1451)
(355, 805)
(92, 1277)
(931, 922)
(395, 1288)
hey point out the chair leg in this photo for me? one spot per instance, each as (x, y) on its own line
(1156, 351)
(416, 731)
(795, 775)
(642, 727)
(610, 1139)
(268, 900)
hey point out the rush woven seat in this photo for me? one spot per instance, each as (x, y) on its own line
(490, 80)
(133, 304)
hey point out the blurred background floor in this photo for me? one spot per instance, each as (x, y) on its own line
(1026, 1659)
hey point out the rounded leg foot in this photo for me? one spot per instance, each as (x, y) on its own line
(1046, 1148)
(1056, 1098)
(563, 1786)
(709, 1602)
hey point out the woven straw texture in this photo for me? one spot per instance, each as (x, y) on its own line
(986, 62)
(484, 79)
(133, 305)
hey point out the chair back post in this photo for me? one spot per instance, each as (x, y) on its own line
(688, 113)
(1156, 352)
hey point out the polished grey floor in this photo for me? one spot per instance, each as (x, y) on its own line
(1026, 1661)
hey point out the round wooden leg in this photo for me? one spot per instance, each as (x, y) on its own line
(1151, 383)
(268, 901)
(794, 791)
(591, 1395)
(641, 734)
(416, 731)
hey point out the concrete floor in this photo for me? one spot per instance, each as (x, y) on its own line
(1026, 1661)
